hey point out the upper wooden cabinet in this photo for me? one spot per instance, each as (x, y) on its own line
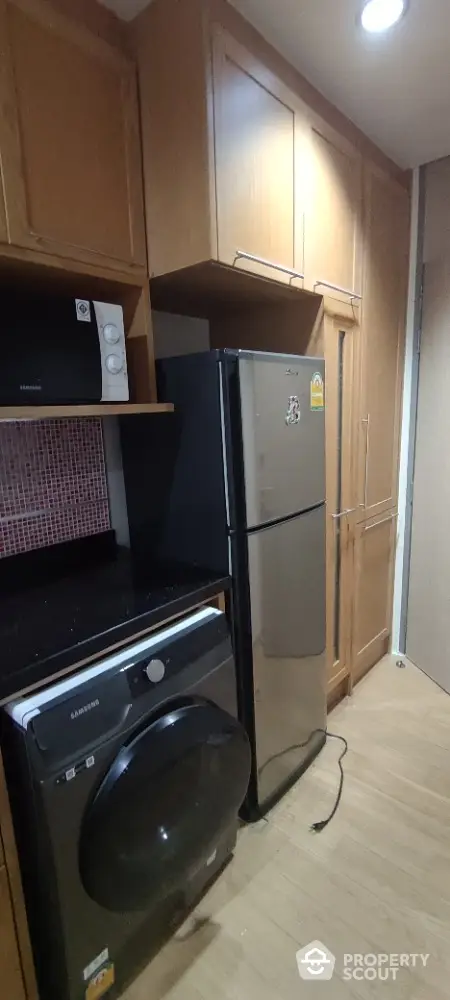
(333, 224)
(69, 139)
(224, 148)
(259, 147)
(387, 209)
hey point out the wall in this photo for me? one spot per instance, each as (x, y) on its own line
(429, 578)
(175, 335)
(409, 409)
(53, 485)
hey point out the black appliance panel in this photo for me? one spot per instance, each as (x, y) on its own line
(48, 354)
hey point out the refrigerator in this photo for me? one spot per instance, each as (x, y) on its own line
(247, 496)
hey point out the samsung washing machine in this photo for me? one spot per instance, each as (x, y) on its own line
(126, 780)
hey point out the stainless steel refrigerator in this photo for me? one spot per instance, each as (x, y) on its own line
(247, 493)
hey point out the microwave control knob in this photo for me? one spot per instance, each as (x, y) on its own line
(114, 364)
(111, 333)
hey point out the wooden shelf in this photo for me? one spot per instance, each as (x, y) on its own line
(82, 410)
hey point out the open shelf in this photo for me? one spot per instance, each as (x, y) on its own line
(82, 410)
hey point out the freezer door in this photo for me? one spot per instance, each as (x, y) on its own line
(283, 433)
(287, 595)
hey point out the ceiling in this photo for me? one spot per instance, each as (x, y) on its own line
(395, 86)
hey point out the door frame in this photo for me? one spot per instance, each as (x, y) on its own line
(409, 412)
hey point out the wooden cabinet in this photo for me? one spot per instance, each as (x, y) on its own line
(374, 552)
(69, 139)
(10, 967)
(228, 186)
(333, 226)
(340, 344)
(382, 344)
(17, 976)
(259, 154)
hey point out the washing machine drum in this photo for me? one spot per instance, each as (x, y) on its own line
(157, 815)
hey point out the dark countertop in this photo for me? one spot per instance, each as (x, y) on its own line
(47, 629)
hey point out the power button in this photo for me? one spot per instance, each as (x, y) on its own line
(155, 671)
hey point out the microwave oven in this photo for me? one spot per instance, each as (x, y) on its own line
(57, 349)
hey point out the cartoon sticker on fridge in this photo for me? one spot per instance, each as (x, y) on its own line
(293, 411)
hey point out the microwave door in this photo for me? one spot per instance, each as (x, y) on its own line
(77, 377)
(49, 355)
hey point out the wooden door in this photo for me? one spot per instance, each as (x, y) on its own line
(383, 336)
(259, 142)
(373, 589)
(340, 347)
(69, 139)
(12, 986)
(333, 224)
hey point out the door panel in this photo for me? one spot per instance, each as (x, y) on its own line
(170, 794)
(383, 335)
(283, 436)
(287, 591)
(341, 348)
(333, 229)
(70, 140)
(429, 583)
(373, 587)
(256, 151)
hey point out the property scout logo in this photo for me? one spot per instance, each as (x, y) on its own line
(316, 961)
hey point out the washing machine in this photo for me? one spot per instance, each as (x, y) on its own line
(125, 781)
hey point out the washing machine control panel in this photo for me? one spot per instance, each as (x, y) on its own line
(175, 656)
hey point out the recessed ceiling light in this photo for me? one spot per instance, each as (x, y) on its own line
(379, 15)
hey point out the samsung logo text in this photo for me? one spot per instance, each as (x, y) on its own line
(85, 708)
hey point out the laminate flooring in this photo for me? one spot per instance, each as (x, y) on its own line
(376, 880)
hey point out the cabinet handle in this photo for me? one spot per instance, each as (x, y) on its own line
(243, 255)
(343, 513)
(366, 421)
(377, 523)
(338, 288)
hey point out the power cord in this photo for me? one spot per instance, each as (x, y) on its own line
(317, 827)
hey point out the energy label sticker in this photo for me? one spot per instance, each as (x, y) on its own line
(101, 982)
(317, 392)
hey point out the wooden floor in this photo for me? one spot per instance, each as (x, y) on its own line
(376, 880)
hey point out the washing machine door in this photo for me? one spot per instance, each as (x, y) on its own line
(158, 813)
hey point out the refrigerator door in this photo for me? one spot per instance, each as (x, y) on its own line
(287, 597)
(283, 433)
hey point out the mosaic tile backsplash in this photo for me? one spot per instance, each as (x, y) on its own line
(53, 485)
